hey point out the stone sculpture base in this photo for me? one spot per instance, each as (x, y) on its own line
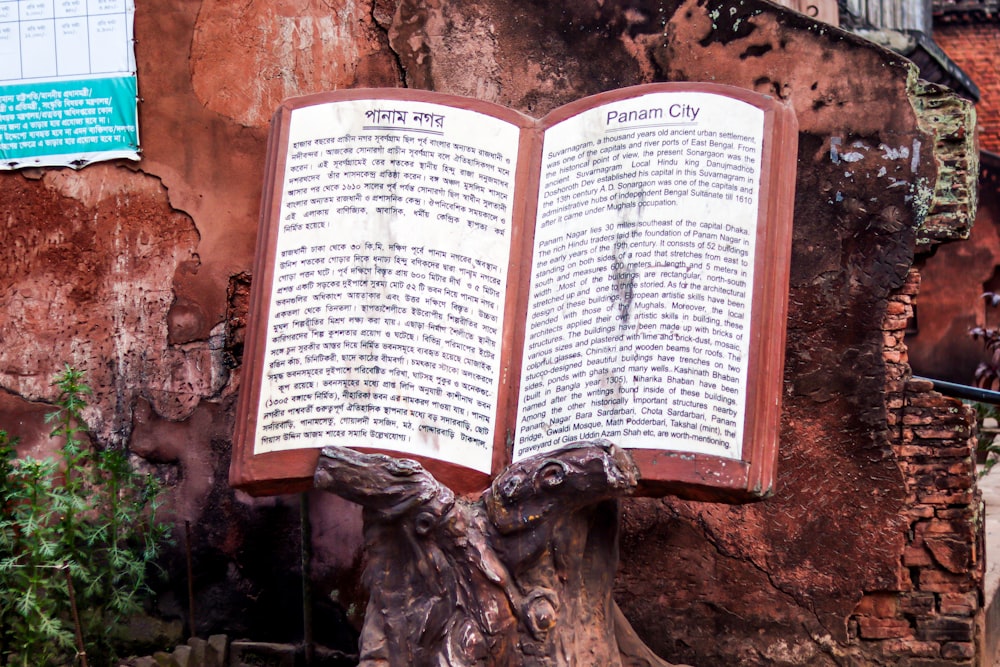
(521, 576)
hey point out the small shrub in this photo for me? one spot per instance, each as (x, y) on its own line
(987, 420)
(987, 374)
(79, 535)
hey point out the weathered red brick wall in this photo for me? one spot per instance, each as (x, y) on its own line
(137, 274)
(933, 611)
(974, 47)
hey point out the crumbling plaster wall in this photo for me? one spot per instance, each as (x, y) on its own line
(137, 275)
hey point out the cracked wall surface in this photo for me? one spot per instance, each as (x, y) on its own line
(88, 266)
(138, 274)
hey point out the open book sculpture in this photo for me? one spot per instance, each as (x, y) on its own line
(449, 280)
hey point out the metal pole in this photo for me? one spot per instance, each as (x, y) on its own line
(306, 555)
(192, 623)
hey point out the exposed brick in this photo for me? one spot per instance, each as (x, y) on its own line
(911, 286)
(945, 629)
(923, 452)
(870, 627)
(941, 480)
(937, 581)
(967, 513)
(911, 647)
(882, 605)
(922, 390)
(918, 603)
(919, 418)
(965, 467)
(920, 512)
(917, 556)
(958, 651)
(959, 604)
(898, 308)
(961, 469)
(937, 433)
(947, 408)
(973, 48)
(943, 527)
(958, 424)
(895, 323)
(934, 497)
(906, 451)
(895, 377)
(951, 554)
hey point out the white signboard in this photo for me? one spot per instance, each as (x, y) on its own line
(67, 82)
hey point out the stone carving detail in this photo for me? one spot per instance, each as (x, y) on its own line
(521, 576)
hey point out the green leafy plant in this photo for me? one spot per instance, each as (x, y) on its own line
(79, 536)
(987, 449)
(987, 374)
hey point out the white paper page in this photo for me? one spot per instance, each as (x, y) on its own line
(385, 319)
(639, 312)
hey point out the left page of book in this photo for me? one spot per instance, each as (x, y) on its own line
(384, 312)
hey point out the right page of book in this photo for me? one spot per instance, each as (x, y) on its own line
(639, 309)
